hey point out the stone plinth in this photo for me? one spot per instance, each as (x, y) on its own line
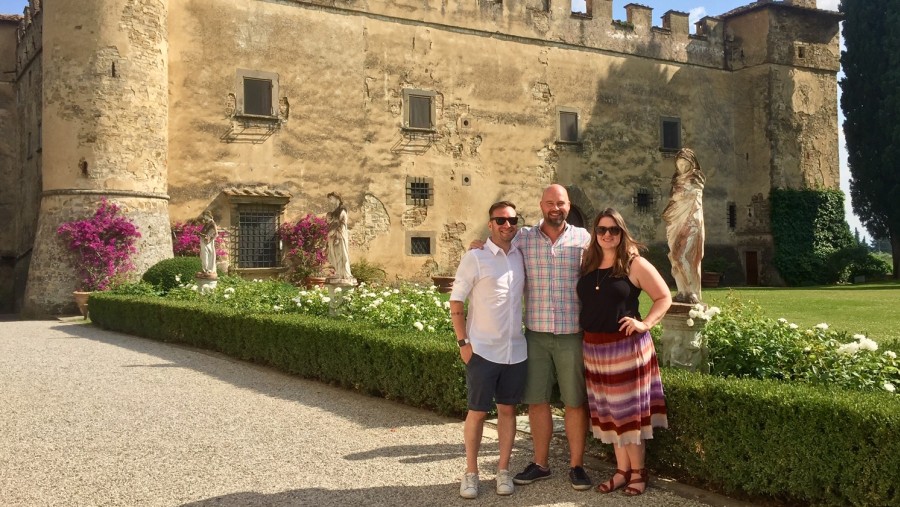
(683, 346)
(206, 284)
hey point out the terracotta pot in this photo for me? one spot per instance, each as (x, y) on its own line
(81, 299)
(311, 282)
(443, 283)
(710, 279)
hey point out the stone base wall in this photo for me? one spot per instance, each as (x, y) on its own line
(53, 277)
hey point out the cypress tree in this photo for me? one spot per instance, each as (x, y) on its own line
(871, 105)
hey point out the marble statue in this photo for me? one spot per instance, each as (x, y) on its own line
(208, 234)
(684, 226)
(338, 238)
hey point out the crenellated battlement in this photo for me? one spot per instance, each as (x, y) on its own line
(555, 22)
(29, 35)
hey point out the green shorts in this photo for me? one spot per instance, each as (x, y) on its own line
(555, 358)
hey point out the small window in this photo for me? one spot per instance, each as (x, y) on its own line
(258, 97)
(418, 110)
(568, 125)
(419, 191)
(670, 134)
(255, 93)
(419, 245)
(643, 200)
(257, 243)
(801, 52)
(732, 216)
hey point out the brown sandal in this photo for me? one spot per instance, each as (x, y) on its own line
(609, 487)
(642, 477)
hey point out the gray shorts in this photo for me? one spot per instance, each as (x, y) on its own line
(555, 358)
(487, 381)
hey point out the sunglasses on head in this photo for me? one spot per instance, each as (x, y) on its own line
(601, 230)
(503, 220)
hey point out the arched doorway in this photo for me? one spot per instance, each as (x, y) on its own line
(576, 217)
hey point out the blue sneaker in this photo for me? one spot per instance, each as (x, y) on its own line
(579, 478)
(533, 472)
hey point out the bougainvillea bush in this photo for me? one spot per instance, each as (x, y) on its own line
(186, 240)
(304, 244)
(101, 246)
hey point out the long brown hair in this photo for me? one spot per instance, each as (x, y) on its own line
(628, 247)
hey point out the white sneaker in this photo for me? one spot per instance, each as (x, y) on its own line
(504, 483)
(468, 488)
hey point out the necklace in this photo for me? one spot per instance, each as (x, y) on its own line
(597, 287)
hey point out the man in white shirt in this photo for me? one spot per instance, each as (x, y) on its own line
(491, 341)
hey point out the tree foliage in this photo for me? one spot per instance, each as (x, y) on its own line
(871, 105)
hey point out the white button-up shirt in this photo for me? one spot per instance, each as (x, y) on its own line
(493, 281)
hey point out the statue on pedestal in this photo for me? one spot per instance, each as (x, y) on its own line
(208, 234)
(338, 240)
(684, 226)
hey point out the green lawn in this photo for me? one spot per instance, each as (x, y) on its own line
(870, 309)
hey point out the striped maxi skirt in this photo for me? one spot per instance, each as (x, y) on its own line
(625, 393)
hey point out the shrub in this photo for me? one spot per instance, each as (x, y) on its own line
(186, 242)
(168, 274)
(102, 246)
(141, 288)
(304, 243)
(368, 272)
(743, 343)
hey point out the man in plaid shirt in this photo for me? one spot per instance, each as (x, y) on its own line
(552, 252)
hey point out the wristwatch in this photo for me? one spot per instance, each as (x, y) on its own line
(462, 343)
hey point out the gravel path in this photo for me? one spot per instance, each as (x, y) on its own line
(90, 417)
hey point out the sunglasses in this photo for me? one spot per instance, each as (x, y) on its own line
(601, 230)
(503, 220)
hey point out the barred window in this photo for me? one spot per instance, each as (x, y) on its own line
(732, 216)
(420, 245)
(257, 242)
(419, 191)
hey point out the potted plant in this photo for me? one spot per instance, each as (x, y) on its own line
(304, 243)
(101, 247)
(713, 271)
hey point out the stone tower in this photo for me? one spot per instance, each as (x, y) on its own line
(104, 121)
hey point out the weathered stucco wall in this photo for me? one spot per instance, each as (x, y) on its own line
(344, 132)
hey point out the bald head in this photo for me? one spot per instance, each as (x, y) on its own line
(555, 206)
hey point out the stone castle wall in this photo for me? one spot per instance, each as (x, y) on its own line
(150, 111)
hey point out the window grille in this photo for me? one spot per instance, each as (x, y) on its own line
(732, 215)
(420, 246)
(568, 127)
(257, 242)
(419, 191)
(643, 200)
(258, 96)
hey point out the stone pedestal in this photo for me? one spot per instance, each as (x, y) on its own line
(683, 346)
(337, 295)
(206, 284)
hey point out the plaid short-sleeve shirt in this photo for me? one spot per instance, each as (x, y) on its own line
(551, 273)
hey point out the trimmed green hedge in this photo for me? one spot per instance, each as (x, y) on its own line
(797, 443)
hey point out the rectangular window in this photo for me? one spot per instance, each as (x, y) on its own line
(419, 191)
(257, 243)
(258, 96)
(420, 245)
(643, 200)
(418, 110)
(732, 216)
(581, 8)
(568, 125)
(670, 134)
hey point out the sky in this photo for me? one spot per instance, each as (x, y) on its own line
(697, 9)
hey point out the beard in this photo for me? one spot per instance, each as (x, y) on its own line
(558, 221)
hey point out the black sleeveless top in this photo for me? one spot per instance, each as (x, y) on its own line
(602, 309)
